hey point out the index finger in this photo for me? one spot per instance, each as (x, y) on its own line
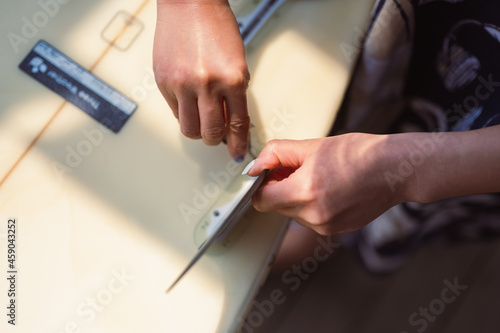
(285, 153)
(276, 195)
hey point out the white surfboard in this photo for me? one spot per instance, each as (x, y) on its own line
(105, 221)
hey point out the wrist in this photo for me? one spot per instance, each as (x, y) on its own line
(424, 165)
(415, 167)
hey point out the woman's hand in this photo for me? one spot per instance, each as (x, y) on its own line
(341, 183)
(200, 68)
(331, 185)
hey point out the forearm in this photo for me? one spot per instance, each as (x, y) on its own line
(451, 164)
(223, 2)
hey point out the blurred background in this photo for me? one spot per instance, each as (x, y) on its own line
(450, 288)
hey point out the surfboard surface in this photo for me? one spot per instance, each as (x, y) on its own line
(99, 222)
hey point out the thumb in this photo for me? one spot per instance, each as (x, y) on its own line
(285, 153)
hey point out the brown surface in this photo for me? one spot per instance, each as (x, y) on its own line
(340, 296)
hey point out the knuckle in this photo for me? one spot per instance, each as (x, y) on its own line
(319, 219)
(324, 230)
(322, 216)
(257, 204)
(318, 211)
(240, 124)
(204, 78)
(273, 145)
(213, 135)
(309, 192)
(173, 79)
(190, 132)
(180, 79)
(237, 79)
(161, 76)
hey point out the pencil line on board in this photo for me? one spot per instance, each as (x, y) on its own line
(59, 109)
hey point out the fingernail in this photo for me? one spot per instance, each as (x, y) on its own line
(239, 159)
(248, 167)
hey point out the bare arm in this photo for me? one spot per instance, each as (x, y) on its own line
(342, 183)
(462, 163)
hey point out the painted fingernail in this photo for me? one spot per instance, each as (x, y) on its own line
(239, 159)
(248, 167)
